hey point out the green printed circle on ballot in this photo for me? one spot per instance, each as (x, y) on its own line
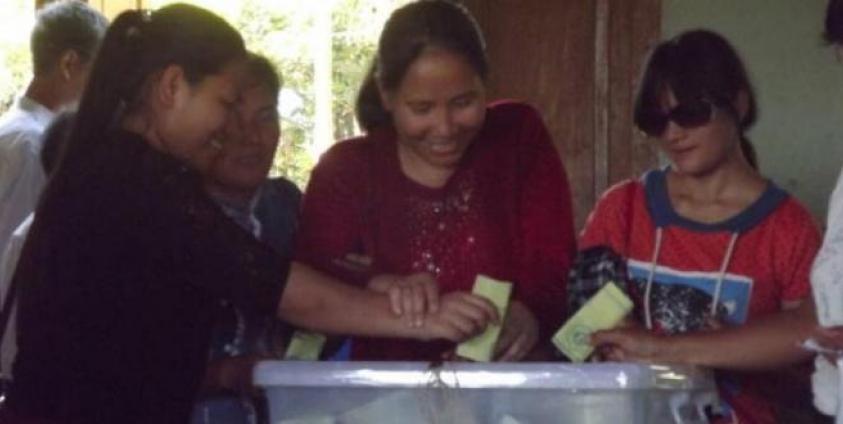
(603, 311)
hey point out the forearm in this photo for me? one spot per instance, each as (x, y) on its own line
(770, 342)
(320, 303)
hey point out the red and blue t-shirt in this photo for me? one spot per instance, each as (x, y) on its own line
(774, 243)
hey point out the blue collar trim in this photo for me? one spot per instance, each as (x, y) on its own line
(663, 214)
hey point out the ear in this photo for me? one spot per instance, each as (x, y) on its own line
(385, 96)
(742, 105)
(170, 88)
(69, 63)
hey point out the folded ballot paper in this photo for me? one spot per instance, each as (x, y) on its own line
(482, 347)
(603, 311)
(305, 346)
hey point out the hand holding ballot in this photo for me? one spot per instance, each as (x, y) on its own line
(603, 311)
(481, 347)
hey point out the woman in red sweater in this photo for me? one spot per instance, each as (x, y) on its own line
(443, 183)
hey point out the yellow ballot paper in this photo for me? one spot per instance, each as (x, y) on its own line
(305, 346)
(481, 347)
(603, 311)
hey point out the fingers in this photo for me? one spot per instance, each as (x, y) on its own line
(519, 334)
(430, 292)
(611, 337)
(419, 304)
(614, 354)
(506, 339)
(396, 300)
(479, 309)
(830, 337)
(411, 296)
(407, 304)
(442, 329)
(610, 344)
(479, 305)
(518, 349)
(464, 321)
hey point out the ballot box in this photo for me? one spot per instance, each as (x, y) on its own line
(303, 392)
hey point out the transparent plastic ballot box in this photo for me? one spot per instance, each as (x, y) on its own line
(302, 392)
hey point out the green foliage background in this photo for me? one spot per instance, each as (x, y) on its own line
(282, 30)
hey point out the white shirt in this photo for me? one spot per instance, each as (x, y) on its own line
(21, 175)
(8, 262)
(827, 287)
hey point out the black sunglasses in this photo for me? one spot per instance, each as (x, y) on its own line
(689, 114)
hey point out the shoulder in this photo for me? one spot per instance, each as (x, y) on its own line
(792, 216)
(510, 113)
(283, 187)
(17, 122)
(623, 193)
(19, 139)
(516, 131)
(349, 153)
(616, 202)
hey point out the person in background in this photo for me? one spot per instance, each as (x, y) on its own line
(63, 44)
(237, 180)
(128, 258)
(826, 276)
(717, 255)
(55, 137)
(443, 182)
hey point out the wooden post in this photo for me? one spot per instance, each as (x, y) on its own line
(323, 132)
(578, 62)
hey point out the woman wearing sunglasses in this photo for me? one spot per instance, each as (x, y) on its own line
(717, 255)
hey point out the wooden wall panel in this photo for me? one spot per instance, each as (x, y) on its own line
(633, 31)
(542, 52)
(577, 61)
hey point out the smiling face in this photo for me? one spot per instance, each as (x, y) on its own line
(702, 149)
(251, 138)
(437, 109)
(196, 114)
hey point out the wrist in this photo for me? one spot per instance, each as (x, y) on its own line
(381, 283)
(676, 350)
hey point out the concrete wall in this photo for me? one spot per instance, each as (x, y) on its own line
(798, 81)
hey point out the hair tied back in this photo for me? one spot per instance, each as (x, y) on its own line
(135, 31)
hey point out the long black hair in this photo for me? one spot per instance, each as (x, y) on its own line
(694, 65)
(833, 33)
(137, 45)
(407, 33)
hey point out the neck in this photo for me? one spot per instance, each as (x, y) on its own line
(731, 179)
(45, 92)
(136, 123)
(416, 169)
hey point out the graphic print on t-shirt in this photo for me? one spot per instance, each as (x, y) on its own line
(680, 301)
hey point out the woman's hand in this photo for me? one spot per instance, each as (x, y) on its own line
(829, 337)
(519, 334)
(632, 343)
(460, 316)
(412, 296)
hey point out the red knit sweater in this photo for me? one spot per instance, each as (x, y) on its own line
(505, 213)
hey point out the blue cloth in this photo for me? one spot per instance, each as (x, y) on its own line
(244, 332)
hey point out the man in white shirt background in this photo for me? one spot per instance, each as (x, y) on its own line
(63, 44)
